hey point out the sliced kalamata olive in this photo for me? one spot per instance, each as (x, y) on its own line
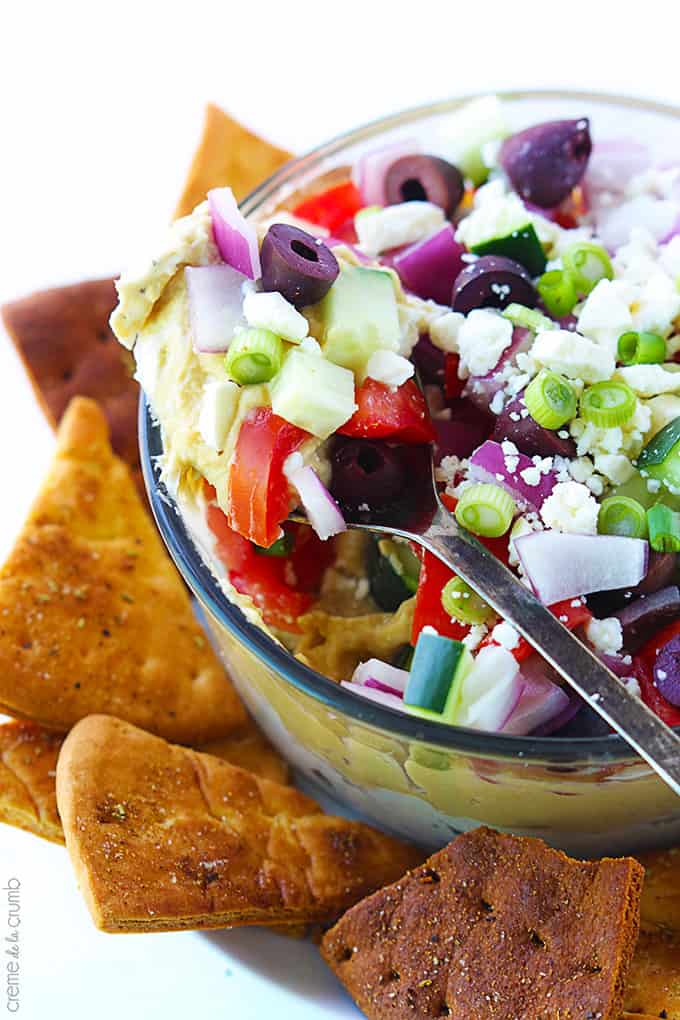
(546, 161)
(366, 471)
(661, 572)
(297, 265)
(429, 360)
(514, 423)
(646, 615)
(424, 179)
(667, 671)
(492, 281)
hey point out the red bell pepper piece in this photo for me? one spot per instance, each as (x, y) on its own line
(331, 208)
(386, 413)
(453, 386)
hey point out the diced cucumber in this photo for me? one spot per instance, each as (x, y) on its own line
(313, 393)
(436, 678)
(521, 244)
(636, 488)
(660, 458)
(469, 129)
(359, 315)
(391, 577)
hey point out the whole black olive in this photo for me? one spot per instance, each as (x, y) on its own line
(492, 281)
(424, 179)
(297, 265)
(546, 161)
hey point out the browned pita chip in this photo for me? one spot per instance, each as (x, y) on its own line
(67, 347)
(492, 926)
(654, 980)
(93, 615)
(228, 154)
(28, 769)
(661, 891)
(164, 838)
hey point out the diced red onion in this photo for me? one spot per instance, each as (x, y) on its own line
(371, 168)
(563, 566)
(235, 238)
(321, 509)
(565, 716)
(541, 700)
(388, 676)
(481, 389)
(336, 242)
(491, 690)
(371, 694)
(489, 464)
(429, 268)
(215, 306)
(612, 164)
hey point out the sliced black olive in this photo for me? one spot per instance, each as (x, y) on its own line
(424, 179)
(492, 281)
(297, 265)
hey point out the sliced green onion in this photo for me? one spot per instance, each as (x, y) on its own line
(664, 528)
(254, 356)
(587, 264)
(620, 515)
(550, 400)
(485, 510)
(641, 349)
(608, 404)
(464, 604)
(528, 318)
(558, 292)
(280, 548)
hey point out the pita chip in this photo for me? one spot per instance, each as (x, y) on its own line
(228, 154)
(163, 838)
(93, 615)
(654, 981)
(660, 906)
(492, 926)
(67, 348)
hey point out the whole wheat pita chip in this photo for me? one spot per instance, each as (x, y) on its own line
(93, 615)
(163, 838)
(654, 981)
(660, 904)
(66, 345)
(28, 769)
(228, 154)
(492, 926)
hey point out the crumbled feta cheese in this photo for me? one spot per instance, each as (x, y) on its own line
(581, 468)
(497, 212)
(475, 636)
(218, 410)
(637, 260)
(389, 368)
(596, 485)
(482, 338)
(657, 215)
(571, 508)
(616, 467)
(669, 258)
(531, 475)
(524, 525)
(270, 310)
(663, 409)
(444, 331)
(497, 402)
(605, 635)
(573, 355)
(657, 305)
(650, 380)
(427, 629)
(505, 635)
(396, 225)
(632, 685)
(605, 314)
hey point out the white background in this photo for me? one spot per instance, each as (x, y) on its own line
(101, 107)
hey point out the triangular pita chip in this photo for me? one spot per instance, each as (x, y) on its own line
(654, 981)
(164, 838)
(660, 904)
(493, 926)
(228, 154)
(93, 615)
(28, 769)
(64, 339)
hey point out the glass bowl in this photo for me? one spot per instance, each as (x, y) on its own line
(422, 780)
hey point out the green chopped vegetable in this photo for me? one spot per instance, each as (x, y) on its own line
(528, 318)
(254, 356)
(435, 680)
(522, 245)
(641, 349)
(664, 528)
(550, 400)
(620, 515)
(587, 264)
(558, 292)
(464, 604)
(281, 547)
(485, 510)
(660, 458)
(608, 404)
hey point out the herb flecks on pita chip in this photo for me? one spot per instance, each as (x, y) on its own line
(66, 345)
(660, 904)
(654, 980)
(93, 615)
(163, 838)
(492, 926)
(228, 154)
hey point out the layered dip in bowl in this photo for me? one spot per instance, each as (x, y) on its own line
(497, 279)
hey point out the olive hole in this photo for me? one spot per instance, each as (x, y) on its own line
(304, 251)
(369, 460)
(536, 939)
(412, 190)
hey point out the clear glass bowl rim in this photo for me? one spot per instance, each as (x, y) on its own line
(206, 588)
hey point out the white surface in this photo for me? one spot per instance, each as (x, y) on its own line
(102, 107)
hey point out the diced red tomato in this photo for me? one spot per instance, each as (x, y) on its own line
(331, 208)
(258, 491)
(346, 232)
(386, 413)
(573, 209)
(571, 616)
(309, 557)
(429, 610)
(651, 695)
(453, 386)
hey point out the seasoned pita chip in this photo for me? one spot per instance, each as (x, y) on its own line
(163, 838)
(67, 348)
(660, 904)
(228, 154)
(93, 615)
(28, 769)
(492, 926)
(654, 980)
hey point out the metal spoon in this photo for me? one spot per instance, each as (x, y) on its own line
(421, 517)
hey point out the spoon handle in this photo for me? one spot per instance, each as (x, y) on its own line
(645, 732)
